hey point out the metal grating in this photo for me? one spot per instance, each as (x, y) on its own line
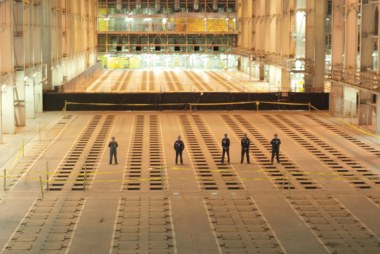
(334, 225)
(144, 225)
(334, 159)
(66, 168)
(240, 227)
(48, 227)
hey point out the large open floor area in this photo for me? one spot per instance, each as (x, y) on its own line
(171, 80)
(59, 194)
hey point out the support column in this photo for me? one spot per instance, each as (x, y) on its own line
(336, 100)
(9, 123)
(351, 35)
(262, 72)
(365, 108)
(30, 98)
(285, 80)
(19, 97)
(47, 29)
(1, 113)
(350, 96)
(6, 68)
(337, 44)
(315, 46)
(368, 40)
(377, 113)
(343, 101)
(38, 91)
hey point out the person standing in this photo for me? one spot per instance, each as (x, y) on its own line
(113, 150)
(276, 142)
(226, 147)
(179, 146)
(245, 143)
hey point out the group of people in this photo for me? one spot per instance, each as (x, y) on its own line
(245, 144)
(179, 146)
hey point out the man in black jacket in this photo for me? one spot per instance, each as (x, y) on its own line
(226, 148)
(113, 150)
(276, 142)
(179, 146)
(245, 143)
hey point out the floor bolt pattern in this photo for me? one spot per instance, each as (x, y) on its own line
(224, 172)
(86, 174)
(66, 168)
(134, 159)
(331, 157)
(334, 225)
(144, 225)
(203, 169)
(240, 227)
(154, 175)
(290, 167)
(39, 148)
(48, 226)
(345, 135)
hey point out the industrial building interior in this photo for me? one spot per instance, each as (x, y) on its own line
(75, 73)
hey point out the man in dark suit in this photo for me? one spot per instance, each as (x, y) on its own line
(226, 147)
(179, 146)
(276, 142)
(113, 150)
(245, 143)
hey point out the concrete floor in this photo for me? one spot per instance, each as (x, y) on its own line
(133, 81)
(323, 198)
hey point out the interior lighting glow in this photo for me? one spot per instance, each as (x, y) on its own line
(3, 87)
(25, 78)
(164, 20)
(300, 15)
(147, 19)
(128, 19)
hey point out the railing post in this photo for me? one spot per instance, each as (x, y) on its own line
(47, 176)
(65, 109)
(42, 188)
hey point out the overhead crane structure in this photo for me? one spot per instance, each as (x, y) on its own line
(184, 27)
